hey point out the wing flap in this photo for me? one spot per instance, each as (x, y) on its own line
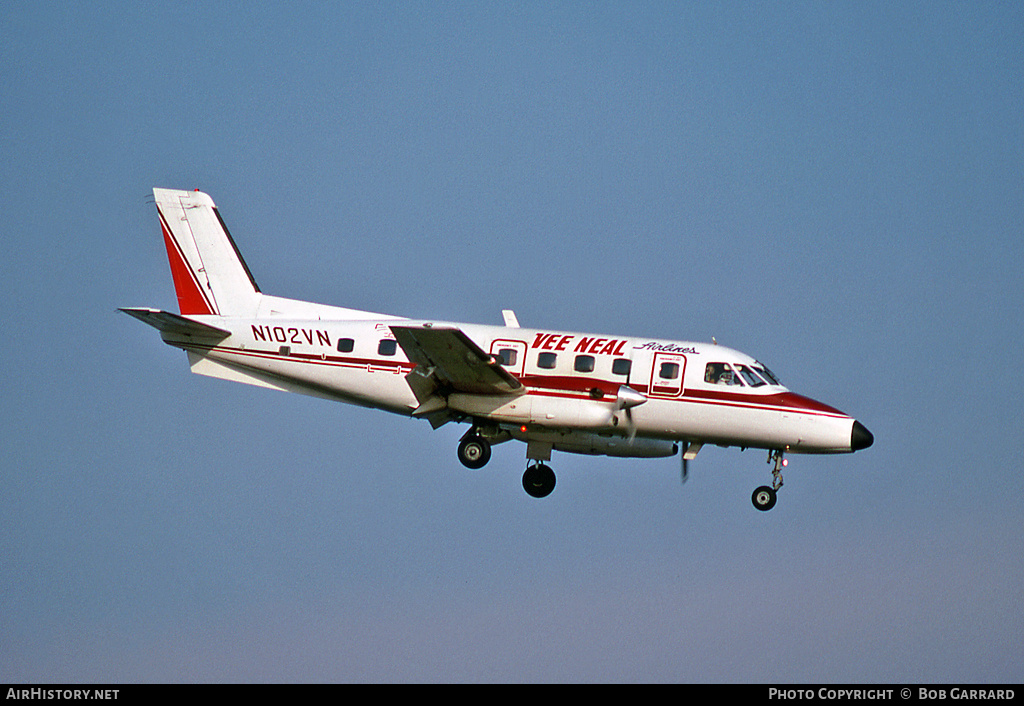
(450, 356)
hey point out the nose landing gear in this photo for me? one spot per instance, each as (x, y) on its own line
(764, 497)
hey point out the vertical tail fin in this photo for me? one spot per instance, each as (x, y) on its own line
(210, 276)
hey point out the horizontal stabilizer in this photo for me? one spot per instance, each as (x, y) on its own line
(175, 325)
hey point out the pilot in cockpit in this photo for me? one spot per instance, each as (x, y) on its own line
(719, 374)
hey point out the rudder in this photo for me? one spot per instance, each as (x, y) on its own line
(210, 276)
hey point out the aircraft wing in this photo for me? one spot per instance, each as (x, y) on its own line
(455, 360)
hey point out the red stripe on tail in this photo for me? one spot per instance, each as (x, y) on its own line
(191, 298)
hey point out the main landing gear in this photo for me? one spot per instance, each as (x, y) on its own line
(474, 450)
(538, 480)
(764, 497)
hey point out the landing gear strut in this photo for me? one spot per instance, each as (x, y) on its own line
(764, 497)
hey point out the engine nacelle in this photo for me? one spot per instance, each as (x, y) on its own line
(597, 444)
(618, 446)
(538, 409)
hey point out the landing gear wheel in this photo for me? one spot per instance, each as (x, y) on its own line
(474, 452)
(764, 498)
(539, 481)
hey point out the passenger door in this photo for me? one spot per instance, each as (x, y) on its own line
(667, 375)
(512, 355)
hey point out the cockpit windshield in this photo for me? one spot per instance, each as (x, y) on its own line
(755, 375)
(767, 374)
(750, 376)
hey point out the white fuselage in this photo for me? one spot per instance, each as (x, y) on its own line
(571, 382)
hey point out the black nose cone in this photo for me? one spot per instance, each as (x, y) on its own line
(860, 438)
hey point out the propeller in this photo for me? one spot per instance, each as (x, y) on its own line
(626, 399)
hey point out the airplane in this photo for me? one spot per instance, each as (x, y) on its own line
(562, 391)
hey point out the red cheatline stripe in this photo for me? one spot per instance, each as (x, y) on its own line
(780, 402)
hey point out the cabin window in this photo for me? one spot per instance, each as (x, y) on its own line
(750, 376)
(387, 347)
(345, 345)
(720, 374)
(584, 364)
(507, 356)
(621, 366)
(669, 371)
(546, 360)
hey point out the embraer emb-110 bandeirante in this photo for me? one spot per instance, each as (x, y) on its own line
(572, 392)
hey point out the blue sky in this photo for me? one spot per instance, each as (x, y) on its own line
(834, 188)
